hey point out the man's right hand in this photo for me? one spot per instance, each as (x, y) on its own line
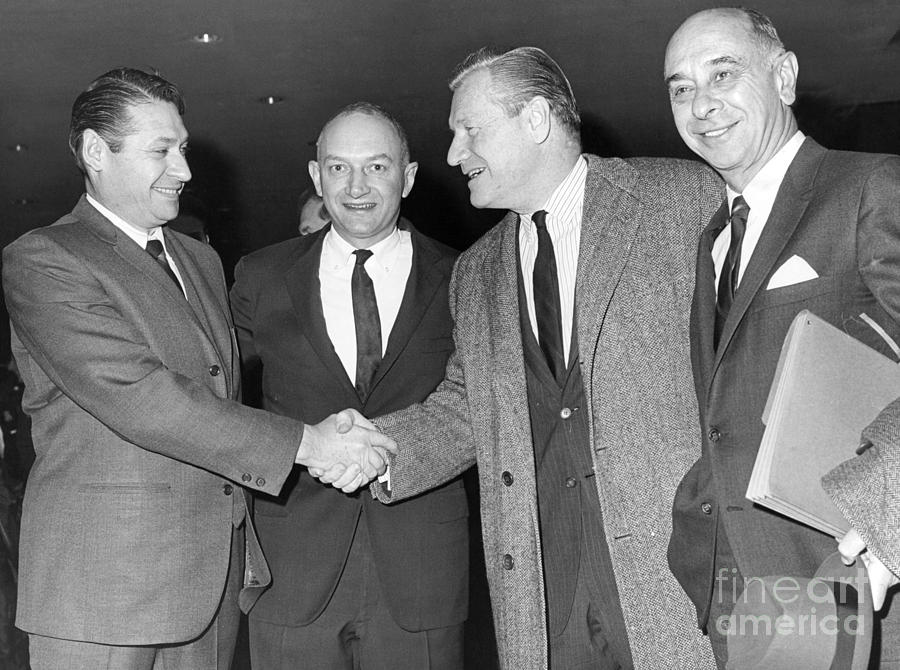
(345, 450)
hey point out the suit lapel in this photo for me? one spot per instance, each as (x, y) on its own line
(501, 277)
(421, 287)
(790, 204)
(203, 300)
(608, 229)
(703, 307)
(302, 285)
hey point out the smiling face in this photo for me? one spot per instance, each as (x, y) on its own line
(495, 152)
(142, 181)
(362, 175)
(731, 101)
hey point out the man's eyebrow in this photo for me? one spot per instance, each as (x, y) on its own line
(335, 157)
(713, 62)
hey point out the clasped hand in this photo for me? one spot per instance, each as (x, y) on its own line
(345, 450)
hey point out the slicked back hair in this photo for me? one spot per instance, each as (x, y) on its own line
(104, 106)
(518, 76)
(371, 109)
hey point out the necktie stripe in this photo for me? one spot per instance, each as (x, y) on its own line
(728, 277)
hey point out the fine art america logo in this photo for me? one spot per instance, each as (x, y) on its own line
(790, 606)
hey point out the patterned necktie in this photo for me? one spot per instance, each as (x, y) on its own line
(368, 325)
(728, 277)
(546, 298)
(155, 249)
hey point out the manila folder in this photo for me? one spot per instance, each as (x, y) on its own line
(828, 386)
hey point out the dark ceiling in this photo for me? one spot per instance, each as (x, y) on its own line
(249, 158)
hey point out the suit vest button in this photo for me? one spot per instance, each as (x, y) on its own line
(227, 489)
(571, 482)
(214, 370)
(706, 508)
(507, 478)
(714, 435)
(245, 477)
(507, 562)
(565, 413)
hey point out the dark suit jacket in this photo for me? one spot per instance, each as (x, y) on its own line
(838, 211)
(420, 547)
(132, 392)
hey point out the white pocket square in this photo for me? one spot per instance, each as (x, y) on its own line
(793, 271)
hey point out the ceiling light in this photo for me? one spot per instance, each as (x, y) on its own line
(271, 99)
(23, 202)
(18, 148)
(206, 38)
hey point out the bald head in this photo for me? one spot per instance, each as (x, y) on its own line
(731, 84)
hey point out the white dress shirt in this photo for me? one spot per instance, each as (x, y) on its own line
(564, 210)
(139, 235)
(760, 197)
(389, 267)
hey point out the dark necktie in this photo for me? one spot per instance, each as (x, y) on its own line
(368, 325)
(728, 277)
(546, 298)
(155, 249)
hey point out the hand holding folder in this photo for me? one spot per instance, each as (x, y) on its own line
(828, 386)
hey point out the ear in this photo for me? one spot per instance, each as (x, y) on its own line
(786, 78)
(93, 150)
(409, 178)
(316, 176)
(538, 119)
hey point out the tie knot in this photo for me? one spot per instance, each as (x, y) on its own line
(155, 248)
(362, 255)
(540, 219)
(739, 208)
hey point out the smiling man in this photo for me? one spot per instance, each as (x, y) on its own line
(135, 518)
(570, 385)
(355, 315)
(801, 228)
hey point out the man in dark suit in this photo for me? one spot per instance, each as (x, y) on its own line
(808, 229)
(132, 546)
(355, 315)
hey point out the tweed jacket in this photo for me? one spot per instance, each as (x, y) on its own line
(641, 220)
(132, 391)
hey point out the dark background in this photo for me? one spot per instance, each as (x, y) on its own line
(249, 157)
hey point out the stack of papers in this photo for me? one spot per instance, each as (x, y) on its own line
(828, 386)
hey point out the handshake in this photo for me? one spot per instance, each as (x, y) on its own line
(345, 450)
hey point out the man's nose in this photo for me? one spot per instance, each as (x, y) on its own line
(458, 151)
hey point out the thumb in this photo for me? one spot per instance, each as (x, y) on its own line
(343, 421)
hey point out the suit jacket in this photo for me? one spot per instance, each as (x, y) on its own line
(641, 220)
(420, 547)
(838, 211)
(138, 434)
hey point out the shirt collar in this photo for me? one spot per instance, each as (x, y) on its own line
(761, 191)
(139, 235)
(337, 251)
(567, 200)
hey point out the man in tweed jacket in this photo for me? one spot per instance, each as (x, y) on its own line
(568, 536)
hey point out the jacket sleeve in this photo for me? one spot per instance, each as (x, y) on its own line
(96, 349)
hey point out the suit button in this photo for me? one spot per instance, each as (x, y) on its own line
(227, 489)
(714, 435)
(214, 370)
(565, 413)
(706, 508)
(507, 562)
(245, 477)
(507, 478)
(260, 481)
(571, 482)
